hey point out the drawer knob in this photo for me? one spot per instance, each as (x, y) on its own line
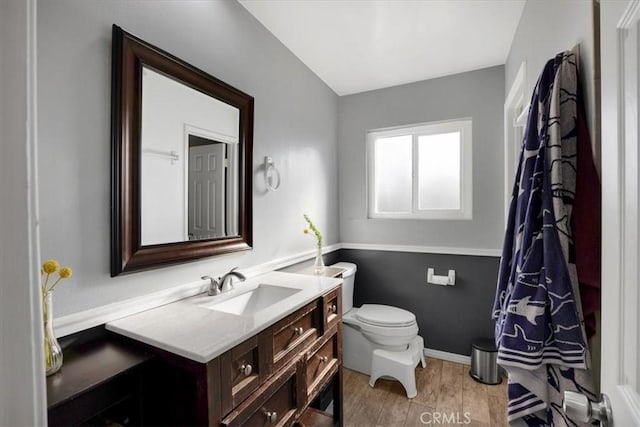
(299, 330)
(324, 359)
(272, 416)
(334, 308)
(246, 369)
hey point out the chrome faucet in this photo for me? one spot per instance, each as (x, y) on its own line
(214, 286)
(224, 283)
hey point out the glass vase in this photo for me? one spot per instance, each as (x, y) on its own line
(52, 350)
(318, 265)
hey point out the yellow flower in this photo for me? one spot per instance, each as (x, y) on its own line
(50, 266)
(66, 272)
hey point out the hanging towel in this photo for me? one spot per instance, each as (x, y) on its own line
(587, 225)
(539, 335)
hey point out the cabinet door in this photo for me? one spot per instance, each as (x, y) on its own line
(288, 337)
(321, 362)
(273, 404)
(332, 303)
(243, 369)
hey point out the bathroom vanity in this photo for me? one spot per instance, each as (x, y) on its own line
(261, 354)
(99, 383)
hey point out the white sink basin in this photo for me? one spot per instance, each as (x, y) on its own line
(253, 301)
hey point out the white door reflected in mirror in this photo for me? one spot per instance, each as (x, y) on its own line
(189, 163)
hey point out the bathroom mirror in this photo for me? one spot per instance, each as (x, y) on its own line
(181, 160)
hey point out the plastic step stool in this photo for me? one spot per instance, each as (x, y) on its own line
(399, 365)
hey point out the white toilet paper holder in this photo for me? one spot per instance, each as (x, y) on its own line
(448, 280)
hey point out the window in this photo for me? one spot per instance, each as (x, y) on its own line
(421, 171)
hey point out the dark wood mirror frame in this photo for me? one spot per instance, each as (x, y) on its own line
(130, 54)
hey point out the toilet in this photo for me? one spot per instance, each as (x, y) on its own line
(388, 330)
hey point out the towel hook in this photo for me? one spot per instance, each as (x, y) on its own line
(271, 174)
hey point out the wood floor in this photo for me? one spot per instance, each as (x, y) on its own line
(447, 395)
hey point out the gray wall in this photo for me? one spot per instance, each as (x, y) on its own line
(449, 317)
(546, 28)
(295, 123)
(476, 94)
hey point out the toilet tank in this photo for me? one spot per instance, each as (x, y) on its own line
(349, 276)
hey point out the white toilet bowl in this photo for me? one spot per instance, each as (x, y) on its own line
(371, 327)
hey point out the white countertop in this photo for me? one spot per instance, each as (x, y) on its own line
(187, 329)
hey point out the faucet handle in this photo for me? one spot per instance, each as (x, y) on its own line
(214, 285)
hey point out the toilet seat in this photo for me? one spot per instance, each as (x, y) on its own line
(385, 316)
(386, 326)
(400, 332)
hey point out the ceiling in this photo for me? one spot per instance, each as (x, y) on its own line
(360, 45)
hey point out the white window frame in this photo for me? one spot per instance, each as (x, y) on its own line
(464, 126)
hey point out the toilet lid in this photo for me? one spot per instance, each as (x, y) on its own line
(385, 315)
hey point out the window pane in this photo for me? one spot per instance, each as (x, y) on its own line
(439, 171)
(392, 174)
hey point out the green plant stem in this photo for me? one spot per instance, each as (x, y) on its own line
(315, 230)
(54, 285)
(44, 285)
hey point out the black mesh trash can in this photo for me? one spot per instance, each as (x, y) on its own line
(484, 367)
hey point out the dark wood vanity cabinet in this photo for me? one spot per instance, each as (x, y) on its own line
(270, 379)
(100, 382)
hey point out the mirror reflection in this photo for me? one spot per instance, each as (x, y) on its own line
(189, 163)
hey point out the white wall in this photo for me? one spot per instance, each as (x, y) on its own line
(476, 94)
(295, 123)
(22, 389)
(548, 27)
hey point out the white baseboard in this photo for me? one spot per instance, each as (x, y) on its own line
(450, 357)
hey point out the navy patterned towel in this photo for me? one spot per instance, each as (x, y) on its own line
(539, 334)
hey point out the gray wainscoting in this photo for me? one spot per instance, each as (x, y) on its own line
(449, 317)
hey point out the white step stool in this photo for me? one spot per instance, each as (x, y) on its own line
(400, 365)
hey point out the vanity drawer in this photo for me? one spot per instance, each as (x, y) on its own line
(274, 404)
(293, 333)
(320, 362)
(242, 372)
(332, 303)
